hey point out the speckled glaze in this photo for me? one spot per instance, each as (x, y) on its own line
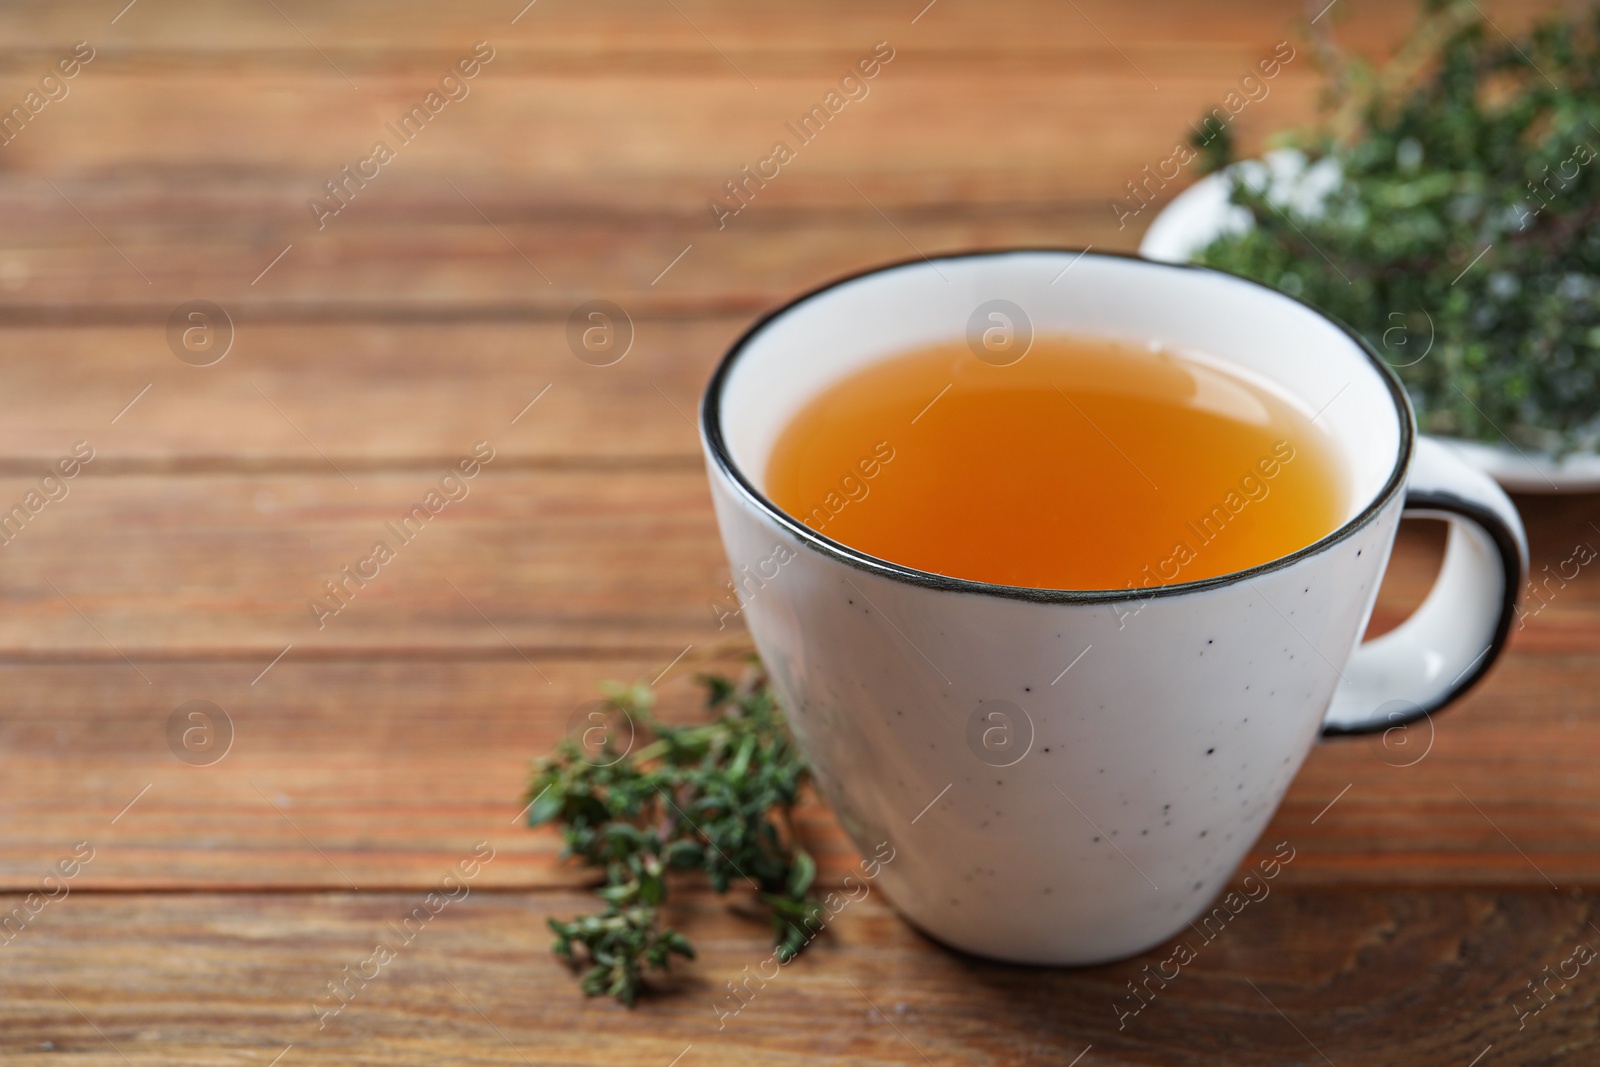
(1151, 733)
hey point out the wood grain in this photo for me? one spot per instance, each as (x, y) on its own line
(203, 582)
(426, 316)
(427, 259)
(157, 566)
(372, 397)
(598, 167)
(148, 567)
(1377, 977)
(377, 769)
(375, 774)
(601, 34)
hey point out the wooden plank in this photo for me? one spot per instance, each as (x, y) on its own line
(1494, 791)
(529, 563)
(383, 767)
(324, 775)
(174, 222)
(199, 204)
(201, 581)
(622, 135)
(411, 246)
(1375, 978)
(606, 33)
(398, 396)
(375, 752)
(543, 561)
(452, 267)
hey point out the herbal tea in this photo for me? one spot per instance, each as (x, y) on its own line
(1087, 464)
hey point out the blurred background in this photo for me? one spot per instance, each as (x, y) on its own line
(277, 267)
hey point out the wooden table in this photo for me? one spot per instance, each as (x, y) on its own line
(1437, 871)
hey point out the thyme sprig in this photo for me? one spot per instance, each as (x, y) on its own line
(1463, 238)
(713, 797)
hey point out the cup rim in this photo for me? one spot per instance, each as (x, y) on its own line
(716, 448)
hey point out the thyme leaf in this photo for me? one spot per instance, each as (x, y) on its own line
(713, 797)
(1463, 237)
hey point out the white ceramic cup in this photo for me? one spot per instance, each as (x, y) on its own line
(1070, 777)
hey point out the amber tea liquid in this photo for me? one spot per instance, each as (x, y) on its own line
(1087, 464)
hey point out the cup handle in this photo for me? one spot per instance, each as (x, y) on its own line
(1451, 639)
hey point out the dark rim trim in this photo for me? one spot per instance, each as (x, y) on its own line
(716, 447)
(1505, 541)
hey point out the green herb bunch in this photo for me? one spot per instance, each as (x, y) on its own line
(1463, 240)
(714, 797)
